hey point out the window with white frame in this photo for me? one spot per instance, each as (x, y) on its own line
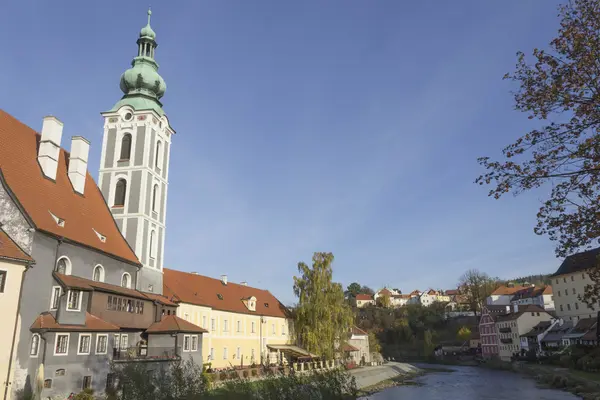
(126, 280)
(124, 342)
(239, 326)
(282, 330)
(225, 325)
(186, 343)
(85, 341)
(204, 321)
(212, 353)
(212, 324)
(273, 328)
(252, 354)
(63, 266)
(186, 316)
(2, 280)
(61, 344)
(155, 198)
(55, 297)
(194, 343)
(224, 353)
(101, 344)
(98, 275)
(158, 157)
(153, 244)
(237, 353)
(74, 300)
(252, 326)
(35, 345)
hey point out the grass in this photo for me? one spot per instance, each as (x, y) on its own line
(592, 376)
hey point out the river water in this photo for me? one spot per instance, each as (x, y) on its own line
(471, 383)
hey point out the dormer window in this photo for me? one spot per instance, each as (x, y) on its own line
(267, 305)
(219, 296)
(100, 236)
(250, 303)
(126, 280)
(59, 221)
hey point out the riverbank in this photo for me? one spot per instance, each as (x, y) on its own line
(370, 380)
(572, 381)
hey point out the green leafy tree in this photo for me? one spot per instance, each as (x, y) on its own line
(559, 87)
(322, 315)
(353, 289)
(384, 301)
(366, 290)
(428, 345)
(463, 334)
(374, 345)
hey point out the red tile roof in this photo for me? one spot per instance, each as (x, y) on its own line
(385, 292)
(46, 321)
(172, 324)
(88, 284)
(39, 196)
(204, 291)
(507, 291)
(452, 292)
(348, 348)
(547, 290)
(357, 331)
(364, 297)
(10, 250)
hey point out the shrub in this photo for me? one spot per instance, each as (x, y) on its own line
(86, 394)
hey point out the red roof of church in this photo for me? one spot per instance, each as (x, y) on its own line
(39, 196)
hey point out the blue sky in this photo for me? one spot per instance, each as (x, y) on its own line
(343, 126)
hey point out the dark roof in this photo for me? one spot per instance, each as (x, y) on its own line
(557, 332)
(46, 321)
(539, 328)
(520, 311)
(357, 331)
(173, 324)
(201, 290)
(11, 251)
(532, 292)
(348, 348)
(578, 262)
(583, 326)
(38, 196)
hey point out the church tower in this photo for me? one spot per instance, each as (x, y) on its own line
(134, 166)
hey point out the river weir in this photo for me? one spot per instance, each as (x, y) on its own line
(471, 383)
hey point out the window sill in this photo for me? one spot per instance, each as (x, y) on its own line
(115, 206)
(124, 159)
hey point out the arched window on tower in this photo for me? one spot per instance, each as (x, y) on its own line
(153, 244)
(126, 280)
(155, 198)
(126, 147)
(120, 192)
(158, 156)
(98, 273)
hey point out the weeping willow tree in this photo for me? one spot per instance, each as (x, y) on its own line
(323, 318)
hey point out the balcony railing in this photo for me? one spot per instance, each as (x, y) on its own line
(147, 353)
(504, 330)
(506, 340)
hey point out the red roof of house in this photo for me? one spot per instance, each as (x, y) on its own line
(506, 291)
(348, 348)
(357, 331)
(39, 196)
(172, 323)
(385, 291)
(364, 297)
(10, 250)
(201, 290)
(46, 321)
(547, 290)
(415, 292)
(452, 292)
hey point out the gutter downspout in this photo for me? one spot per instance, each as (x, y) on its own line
(14, 338)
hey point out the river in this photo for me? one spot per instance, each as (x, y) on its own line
(472, 383)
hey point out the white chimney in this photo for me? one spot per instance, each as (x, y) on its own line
(50, 146)
(224, 279)
(516, 307)
(244, 283)
(80, 148)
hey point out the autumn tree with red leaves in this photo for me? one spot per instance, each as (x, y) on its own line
(561, 89)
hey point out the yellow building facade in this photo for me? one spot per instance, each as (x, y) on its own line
(242, 321)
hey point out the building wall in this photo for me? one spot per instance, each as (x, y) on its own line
(499, 300)
(518, 327)
(488, 336)
(364, 303)
(225, 339)
(566, 289)
(361, 342)
(9, 302)
(37, 289)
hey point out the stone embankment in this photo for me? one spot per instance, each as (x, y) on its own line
(370, 376)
